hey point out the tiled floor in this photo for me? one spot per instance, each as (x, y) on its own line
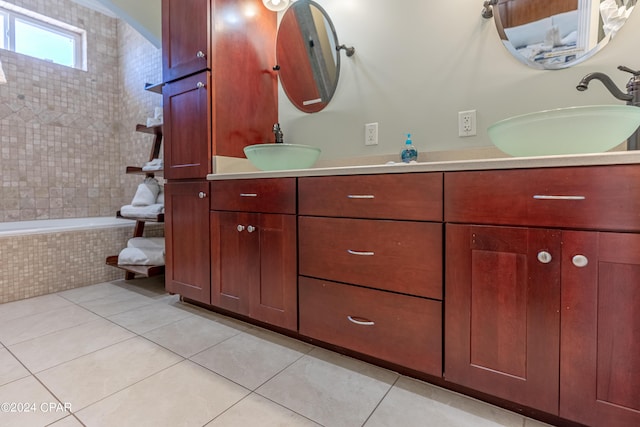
(126, 354)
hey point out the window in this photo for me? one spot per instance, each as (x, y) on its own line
(36, 35)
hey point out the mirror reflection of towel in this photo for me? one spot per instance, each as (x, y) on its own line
(613, 16)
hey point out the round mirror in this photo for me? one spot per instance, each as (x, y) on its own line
(309, 64)
(559, 33)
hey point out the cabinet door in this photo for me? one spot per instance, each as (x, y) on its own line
(187, 127)
(186, 45)
(600, 348)
(274, 298)
(187, 248)
(235, 266)
(502, 303)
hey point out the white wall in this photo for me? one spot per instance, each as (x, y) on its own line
(418, 63)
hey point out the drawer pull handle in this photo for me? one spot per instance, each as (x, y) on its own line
(240, 228)
(545, 197)
(251, 228)
(202, 194)
(360, 321)
(248, 195)
(361, 196)
(360, 253)
(200, 54)
(199, 85)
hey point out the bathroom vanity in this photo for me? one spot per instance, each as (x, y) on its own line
(513, 280)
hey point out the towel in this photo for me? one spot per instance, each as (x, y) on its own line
(147, 192)
(160, 199)
(142, 212)
(140, 256)
(155, 243)
(153, 165)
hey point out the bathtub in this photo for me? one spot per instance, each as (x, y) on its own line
(59, 225)
(46, 256)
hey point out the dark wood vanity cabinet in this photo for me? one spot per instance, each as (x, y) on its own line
(186, 45)
(253, 249)
(370, 260)
(546, 317)
(187, 252)
(220, 91)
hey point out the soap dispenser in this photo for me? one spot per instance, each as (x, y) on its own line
(409, 152)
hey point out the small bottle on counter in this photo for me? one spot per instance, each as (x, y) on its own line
(409, 152)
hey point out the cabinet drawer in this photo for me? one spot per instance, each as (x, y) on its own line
(397, 328)
(400, 256)
(416, 196)
(599, 197)
(274, 195)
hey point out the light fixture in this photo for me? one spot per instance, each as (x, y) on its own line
(276, 5)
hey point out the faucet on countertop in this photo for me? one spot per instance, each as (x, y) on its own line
(632, 97)
(278, 133)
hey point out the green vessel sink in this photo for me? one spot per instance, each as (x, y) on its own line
(573, 130)
(271, 157)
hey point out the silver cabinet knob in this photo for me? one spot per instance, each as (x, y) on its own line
(251, 229)
(200, 54)
(580, 261)
(240, 228)
(199, 85)
(202, 194)
(544, 257)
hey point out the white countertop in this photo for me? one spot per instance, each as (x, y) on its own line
(610, 158)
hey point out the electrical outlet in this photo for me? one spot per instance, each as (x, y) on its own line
(467, 123)
(371, 134)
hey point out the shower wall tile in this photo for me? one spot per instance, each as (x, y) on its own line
(66, 135)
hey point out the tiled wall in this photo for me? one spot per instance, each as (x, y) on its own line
(66, 135)
(39, 264)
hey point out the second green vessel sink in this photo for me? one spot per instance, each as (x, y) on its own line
(572, 130)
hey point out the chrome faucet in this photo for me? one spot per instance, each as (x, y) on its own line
(632, 97)
(278, 133)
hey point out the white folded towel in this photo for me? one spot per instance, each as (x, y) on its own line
(160, 199)
(140, 256)
(152, 121)
(153, 165)
(142, 212)
(147, 192)
(156, 243)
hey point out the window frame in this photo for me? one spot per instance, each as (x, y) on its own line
(10, 13)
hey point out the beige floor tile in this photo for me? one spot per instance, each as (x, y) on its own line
(184, 395)
(36, 325)
(252, 357)
(89, 378)
(37, 412)
(69, 421)
(118, 303)
(149, 317)
(88, 293)
(330, 389)
(10, 368)
(255, 410)
(68, 344)
(191, 335)
(410, 402)
(28, 307)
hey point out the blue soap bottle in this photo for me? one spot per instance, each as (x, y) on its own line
(409, 152)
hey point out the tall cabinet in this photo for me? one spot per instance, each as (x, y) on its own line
(220, 95)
